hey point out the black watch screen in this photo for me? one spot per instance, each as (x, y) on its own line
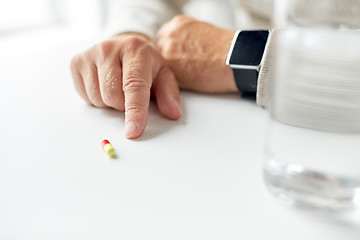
(249, 48)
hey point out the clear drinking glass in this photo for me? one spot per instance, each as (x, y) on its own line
(312, 149)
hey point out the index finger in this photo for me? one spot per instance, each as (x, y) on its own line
(137, 79)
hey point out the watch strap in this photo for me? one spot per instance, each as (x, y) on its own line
(246, 80)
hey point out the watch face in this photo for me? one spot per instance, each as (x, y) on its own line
(249, 48)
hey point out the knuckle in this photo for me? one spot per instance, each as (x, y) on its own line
(104, 49)
(168, 34)
(179, 19)
(175, 26)
(76, 63)
(74, 68)
(134, 43)
(169, 49)
(96, 101)
(171, 33)
(134, 80)
(133, 110)
(114, 101)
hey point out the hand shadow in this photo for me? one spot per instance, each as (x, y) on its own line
(157, 123)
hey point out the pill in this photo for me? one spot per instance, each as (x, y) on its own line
(108, 148)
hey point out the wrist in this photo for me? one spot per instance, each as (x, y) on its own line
(227, 72)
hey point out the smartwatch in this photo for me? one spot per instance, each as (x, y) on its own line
(245, 58)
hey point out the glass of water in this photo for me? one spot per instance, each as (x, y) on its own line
(312, 149)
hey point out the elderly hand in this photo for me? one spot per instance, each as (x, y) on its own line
(122, 73)
(196, 52)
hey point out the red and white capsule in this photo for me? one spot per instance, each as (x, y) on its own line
(108, 148)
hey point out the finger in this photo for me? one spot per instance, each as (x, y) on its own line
(137, 78)
(111, 85)
(91, 83)
(77, 79)
(167, 94)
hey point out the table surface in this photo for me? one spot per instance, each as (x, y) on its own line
(196, 178)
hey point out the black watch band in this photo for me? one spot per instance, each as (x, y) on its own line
(245, 59)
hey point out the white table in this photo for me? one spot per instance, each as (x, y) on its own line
(196, 178)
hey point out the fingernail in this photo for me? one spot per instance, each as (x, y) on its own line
(131, 129)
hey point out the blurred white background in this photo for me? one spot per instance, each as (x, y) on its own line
(29, 25)
(18, 15)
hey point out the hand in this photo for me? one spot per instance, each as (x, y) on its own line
(122, 73)
(196, 52)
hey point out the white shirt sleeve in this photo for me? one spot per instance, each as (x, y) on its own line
(142, 16)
